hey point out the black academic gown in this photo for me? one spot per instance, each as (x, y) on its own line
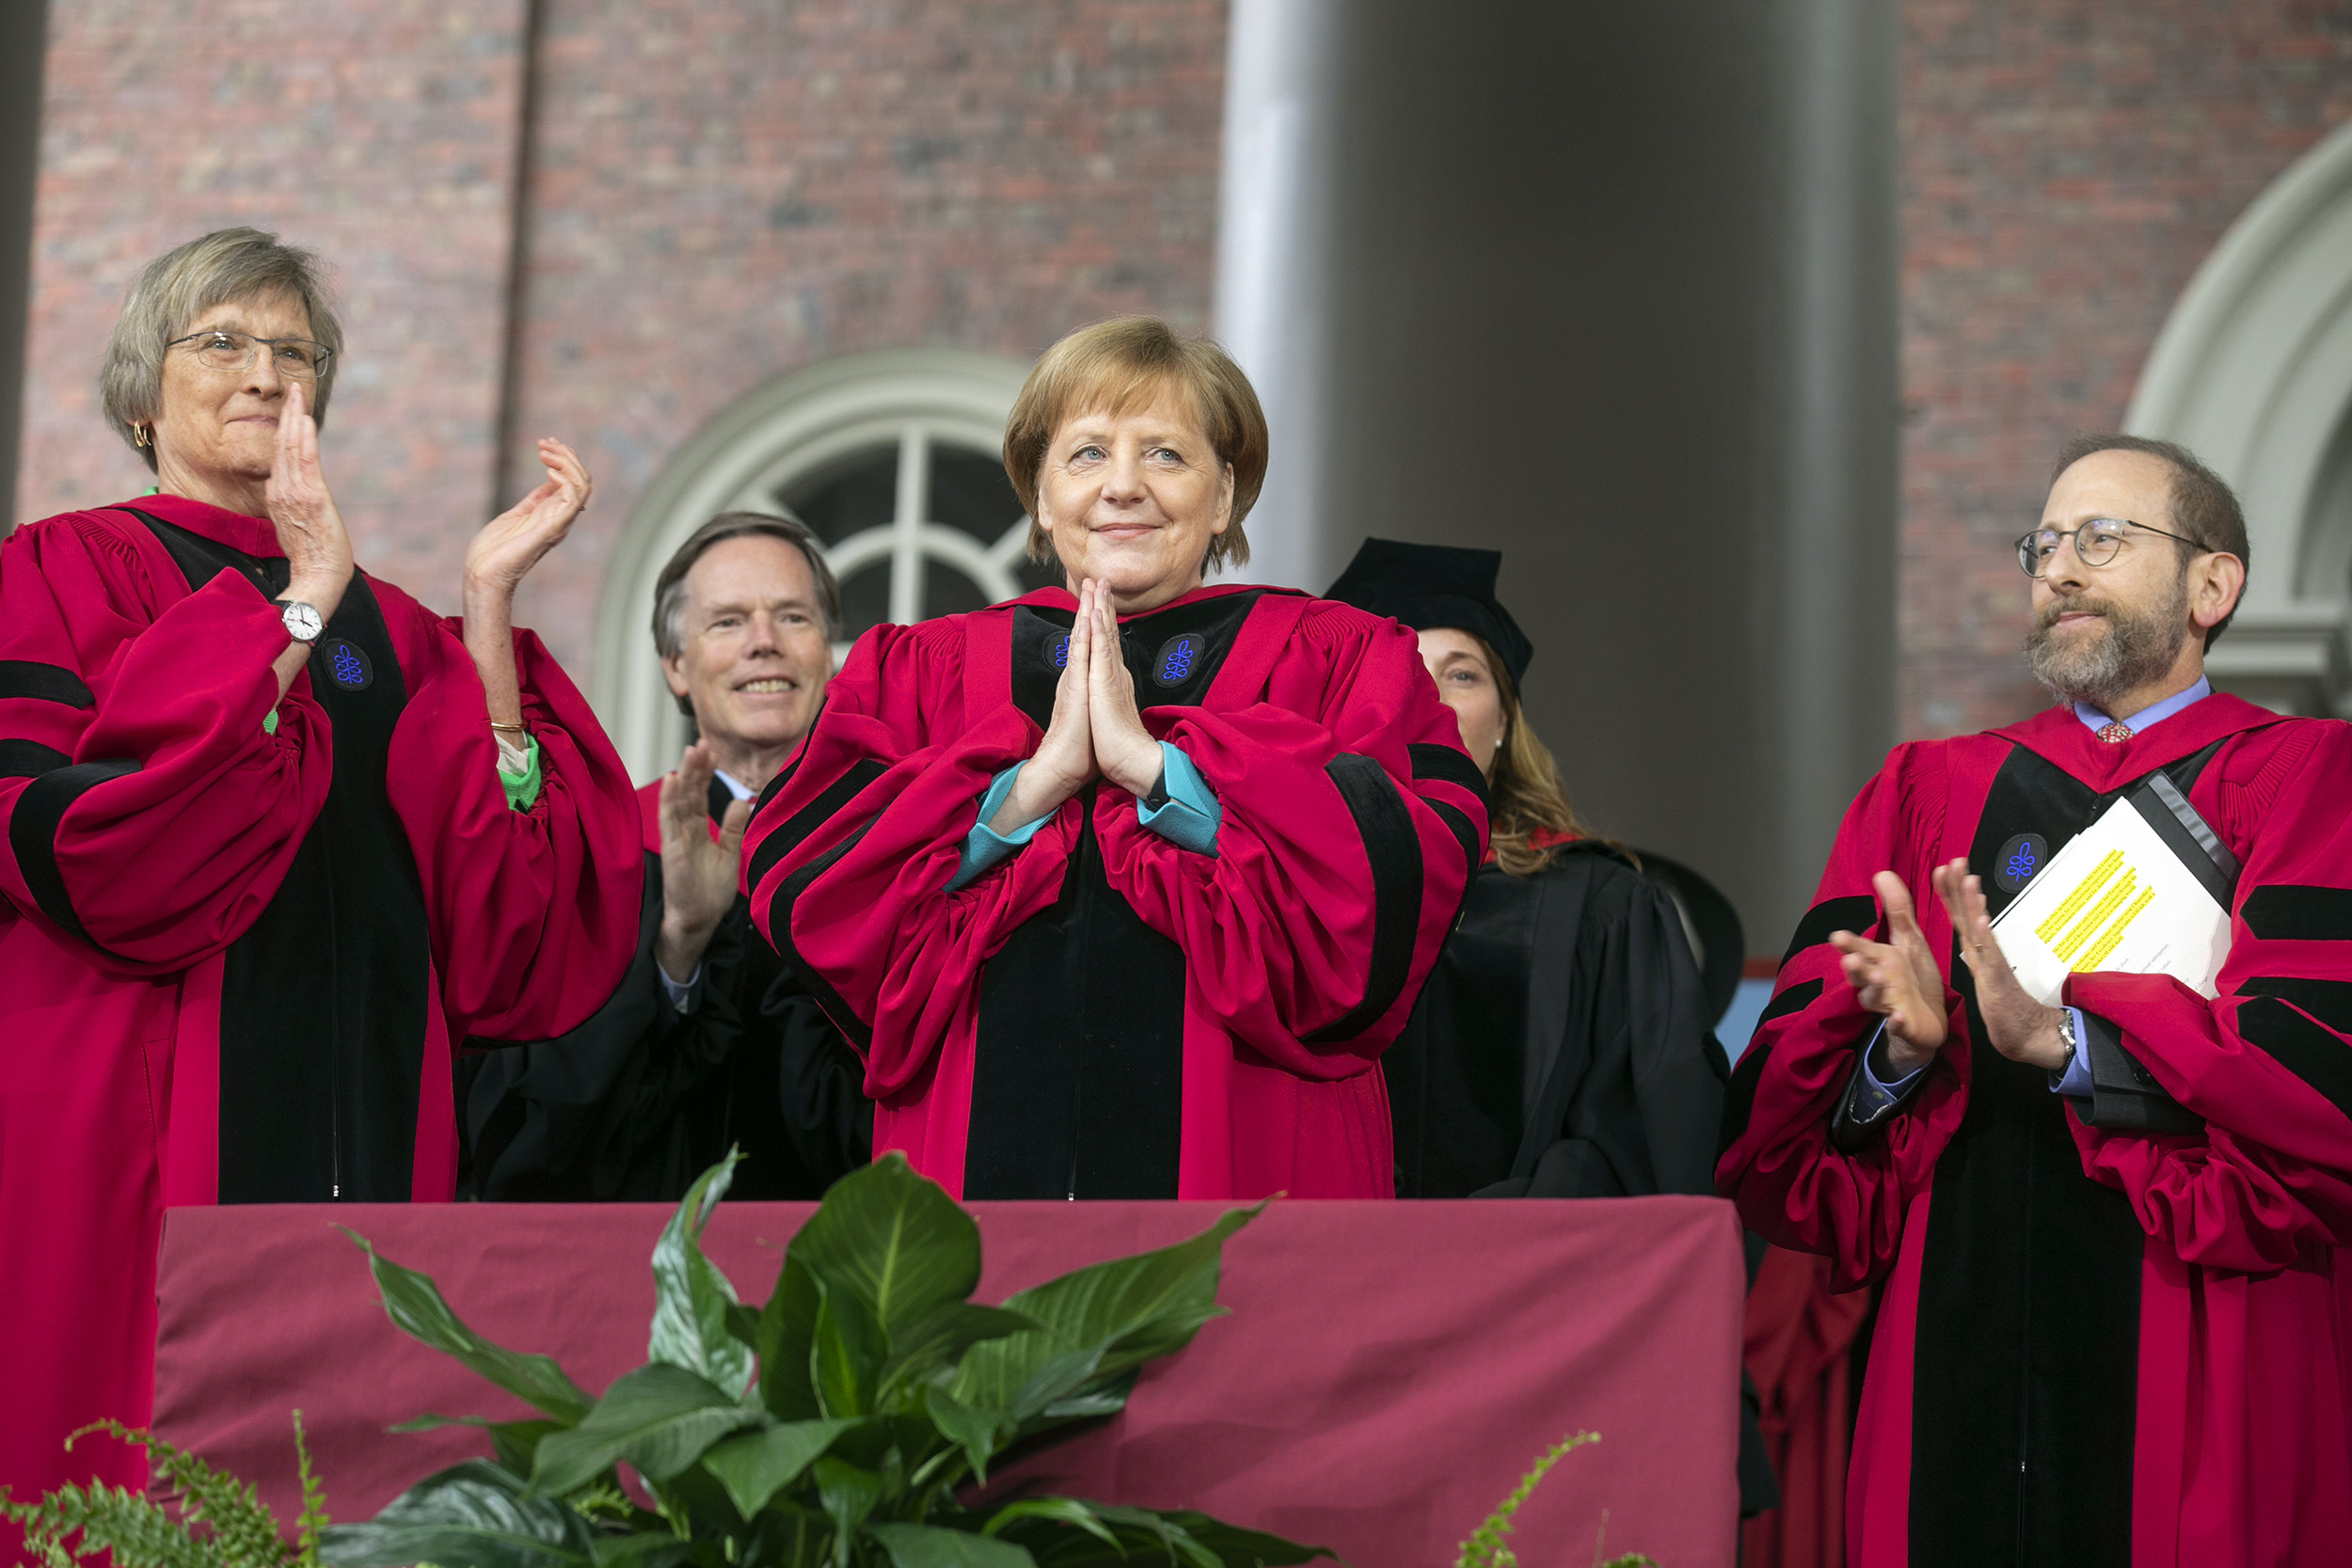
(1571, 993)
(637, 1101)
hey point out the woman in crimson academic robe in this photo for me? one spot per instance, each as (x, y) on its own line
(1121, 888)
(280, 839)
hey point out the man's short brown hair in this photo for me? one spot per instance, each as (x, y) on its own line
(1127, 363)
(2204, 508)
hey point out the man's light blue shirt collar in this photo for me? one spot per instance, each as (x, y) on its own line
(2154, 713)
(740, 791)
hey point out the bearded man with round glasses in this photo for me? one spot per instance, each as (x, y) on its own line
(2110, 1230)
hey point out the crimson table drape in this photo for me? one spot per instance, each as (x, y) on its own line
(1389, 1371)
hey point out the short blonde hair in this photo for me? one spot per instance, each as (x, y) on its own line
(219, 268)
(1123, 364)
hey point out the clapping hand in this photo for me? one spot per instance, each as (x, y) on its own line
(2015, 1024)
(1096, 729)
(699, 872)
(1898, 978)
(310, 528)
(510, 544)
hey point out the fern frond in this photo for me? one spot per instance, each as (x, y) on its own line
(114, 1520)
(1485, 1547)
(243, 1532)
(313, 1516)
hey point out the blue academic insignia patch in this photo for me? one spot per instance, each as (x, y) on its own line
(346, 665)
(1061, 651)
(2019, 858)
(1178, 658)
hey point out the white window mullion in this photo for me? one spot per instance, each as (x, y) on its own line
(906, 544)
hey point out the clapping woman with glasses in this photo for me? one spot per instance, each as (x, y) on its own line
(280, 838)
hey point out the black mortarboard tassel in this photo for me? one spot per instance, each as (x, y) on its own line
(1427, 586)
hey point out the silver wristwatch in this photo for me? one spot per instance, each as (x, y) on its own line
(302, 622)
(2066, 1032)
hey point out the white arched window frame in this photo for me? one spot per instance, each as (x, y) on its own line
(2254, 374)
(917, 400)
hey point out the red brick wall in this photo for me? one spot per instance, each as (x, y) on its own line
(2066, 165)
(383, 136)
(726, 192)
(722, 192)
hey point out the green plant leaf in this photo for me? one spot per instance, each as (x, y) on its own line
(515, 1443)
(1144, 1536)
(1141, 1308)
(943, 1335)
(929, 1546)
(1122, 1313)
(414, 1304)
(785, 1336)
(1067, 1511)
(1232, 1544)
(849, 1494)
(472, 1515)
(660, 1418)
(846, 1353)
(690, 1296)
(896, 1238)
(754, 1465)
(640, 1551)
(979, 1432)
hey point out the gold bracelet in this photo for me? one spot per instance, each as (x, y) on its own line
(506, 729)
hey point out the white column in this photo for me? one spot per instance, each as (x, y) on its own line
(1275, 209)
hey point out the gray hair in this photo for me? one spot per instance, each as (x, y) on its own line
(222, 268)
(669, 589)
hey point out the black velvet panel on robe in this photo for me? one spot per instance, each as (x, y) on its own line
(1572, 991)
(1077, 1078)
(323, 1000)
(2028, 1336)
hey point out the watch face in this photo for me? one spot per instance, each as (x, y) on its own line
(302, 623)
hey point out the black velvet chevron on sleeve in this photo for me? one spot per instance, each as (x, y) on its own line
(43, 683)
(1395, 853)
(1858, 912)
(33, 833)
(2300, 1046)
(2328, 1001)
(2287, 913)
(810, 817)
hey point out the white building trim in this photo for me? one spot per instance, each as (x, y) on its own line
(2253, 373)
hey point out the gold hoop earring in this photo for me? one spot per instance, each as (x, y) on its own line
(138, 436)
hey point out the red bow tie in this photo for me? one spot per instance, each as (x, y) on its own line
(2115, 735)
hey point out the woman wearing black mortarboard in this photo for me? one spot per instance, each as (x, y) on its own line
(1562, 1047)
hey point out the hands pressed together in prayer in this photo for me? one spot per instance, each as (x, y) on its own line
(1899, 979)
(318, 551)
(1096, 727)
(699, 872)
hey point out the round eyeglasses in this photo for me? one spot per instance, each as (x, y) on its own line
(2096, 542)
(296, 357)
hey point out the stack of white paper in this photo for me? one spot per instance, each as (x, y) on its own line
(2115, 898)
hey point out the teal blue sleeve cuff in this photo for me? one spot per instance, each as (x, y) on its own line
(983, 848)
(1183, 810)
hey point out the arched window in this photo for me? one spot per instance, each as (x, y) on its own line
(892, 458)
(2254, 374)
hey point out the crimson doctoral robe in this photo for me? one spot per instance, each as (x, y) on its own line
(1106, 1014)
(234, 963)
(2096, 1346)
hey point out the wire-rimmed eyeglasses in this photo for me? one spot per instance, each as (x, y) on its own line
(2096, 542)
(296, 358)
